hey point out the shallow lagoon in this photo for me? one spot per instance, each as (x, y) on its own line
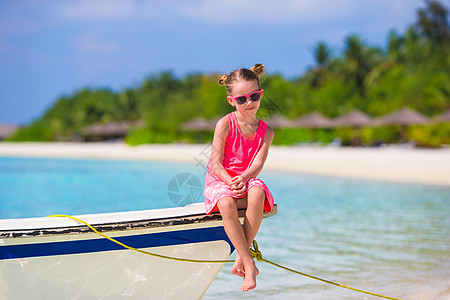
(387, 238)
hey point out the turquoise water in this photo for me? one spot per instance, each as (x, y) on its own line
(387, 238)
(35, 187)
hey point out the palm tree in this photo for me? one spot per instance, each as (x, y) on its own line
(395, 46)
(322, 55)
(128, 106)
(414, 50)
(433, 23)
(433, 26)
(359, 60)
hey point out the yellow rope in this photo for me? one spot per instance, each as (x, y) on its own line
(254, 251)
(257, 254)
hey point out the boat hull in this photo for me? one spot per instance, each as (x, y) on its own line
(79, 272)
(56, 258)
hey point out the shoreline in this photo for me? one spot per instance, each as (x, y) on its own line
(392, 164)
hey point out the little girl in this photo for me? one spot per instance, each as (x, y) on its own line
(239, 149)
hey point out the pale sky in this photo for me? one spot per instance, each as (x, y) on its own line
(53, 48)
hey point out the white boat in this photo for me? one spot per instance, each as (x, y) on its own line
(59, 258)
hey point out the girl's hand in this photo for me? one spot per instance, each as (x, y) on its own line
(239, 185)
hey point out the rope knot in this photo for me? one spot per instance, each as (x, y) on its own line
(255, 253)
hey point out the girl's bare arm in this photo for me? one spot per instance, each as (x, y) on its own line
(259, 161)
(218, 147)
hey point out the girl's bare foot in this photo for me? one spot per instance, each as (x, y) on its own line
(238, 267)
(249, 282)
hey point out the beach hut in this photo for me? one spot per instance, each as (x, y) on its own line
(404, 117)
(356, 119)
(213, 121)
(278, 121)
(313, 120)
(198, 124)
(442, 118)
(109, 131)
(6, 130)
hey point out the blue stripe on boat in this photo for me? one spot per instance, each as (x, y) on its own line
(96, 245)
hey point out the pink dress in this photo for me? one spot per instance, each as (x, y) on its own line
(239, 153)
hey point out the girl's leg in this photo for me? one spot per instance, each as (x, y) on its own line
(254, 213)
(252, 222)
(228, 209)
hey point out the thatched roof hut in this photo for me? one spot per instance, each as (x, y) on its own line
(313, 120)
(107, 131)
(7, 130)
(404, 116)
(278, 121)
(355, 119)
(444, 117)
(214, 121)
(199, 124)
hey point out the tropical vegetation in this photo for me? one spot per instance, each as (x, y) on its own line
(411, 70)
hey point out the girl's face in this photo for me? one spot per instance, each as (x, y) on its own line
(245, 88)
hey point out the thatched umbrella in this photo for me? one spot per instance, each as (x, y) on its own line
(213, 122)
(107, 131)
(404, 116)
(198, 124)
(313, 120)
(7, 130)
(354, 119)
(442, 118)
(278, 121)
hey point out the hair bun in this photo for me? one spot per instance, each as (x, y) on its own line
(258, 69)
(222, 79)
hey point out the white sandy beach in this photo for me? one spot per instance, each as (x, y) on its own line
(423, 166)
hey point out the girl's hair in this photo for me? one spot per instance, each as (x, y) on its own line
(241, 75)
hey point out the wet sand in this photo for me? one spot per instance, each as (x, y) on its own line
(395, 164)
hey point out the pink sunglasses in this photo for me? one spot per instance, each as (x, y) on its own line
(255, 96)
